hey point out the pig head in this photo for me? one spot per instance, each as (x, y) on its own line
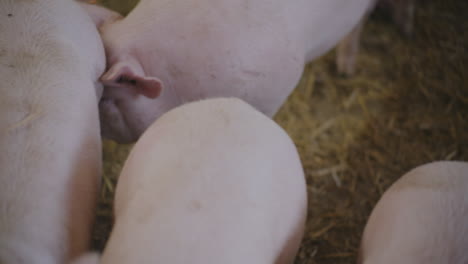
(166, 53)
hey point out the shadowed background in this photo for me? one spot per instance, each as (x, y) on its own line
(406, 105)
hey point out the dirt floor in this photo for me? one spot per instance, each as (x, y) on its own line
(406, 106)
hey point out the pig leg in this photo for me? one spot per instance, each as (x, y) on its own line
(348, 49)
(403, 13)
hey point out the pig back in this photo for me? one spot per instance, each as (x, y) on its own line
(216, 170)
(421, 218)
(50, 58)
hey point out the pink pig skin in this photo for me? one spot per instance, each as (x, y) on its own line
(421, 219)
(51, 57)
(213, 181)
(167, 52)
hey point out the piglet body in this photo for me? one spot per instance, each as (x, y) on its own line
(165, 53)
(213, 181)
(421, 219)
(51, 57)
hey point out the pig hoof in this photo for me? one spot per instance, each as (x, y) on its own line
(346, 66)
(346, 61)
(346, 71)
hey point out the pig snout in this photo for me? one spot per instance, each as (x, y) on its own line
(113, 124)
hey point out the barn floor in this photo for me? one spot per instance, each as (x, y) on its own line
(406, 106)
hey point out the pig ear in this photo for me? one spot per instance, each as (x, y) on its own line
(123, 75)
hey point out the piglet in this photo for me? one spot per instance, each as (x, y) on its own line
(51, 57)
(421, 219)
(213, 181)
(168, 52)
